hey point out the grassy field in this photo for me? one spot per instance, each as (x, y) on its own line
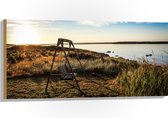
(28, 68)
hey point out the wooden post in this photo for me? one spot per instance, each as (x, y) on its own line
(4, 37)
(46, 89)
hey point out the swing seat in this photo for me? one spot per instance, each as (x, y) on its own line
(65, 75)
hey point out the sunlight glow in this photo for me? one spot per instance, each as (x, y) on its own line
(25, 34)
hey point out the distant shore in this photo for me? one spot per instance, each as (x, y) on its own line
(125, 42)
(87, 43)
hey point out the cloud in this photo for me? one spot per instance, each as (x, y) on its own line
(34, 23)
(94, 23)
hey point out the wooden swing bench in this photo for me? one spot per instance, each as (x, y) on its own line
(64, 74)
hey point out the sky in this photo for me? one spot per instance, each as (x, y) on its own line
(48, 31)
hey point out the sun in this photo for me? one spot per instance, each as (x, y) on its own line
(25, 34)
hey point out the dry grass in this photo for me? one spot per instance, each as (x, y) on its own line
(147, 80)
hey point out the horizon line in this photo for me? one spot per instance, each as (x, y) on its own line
(117, 42)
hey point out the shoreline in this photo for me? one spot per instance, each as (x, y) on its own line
(125, 42)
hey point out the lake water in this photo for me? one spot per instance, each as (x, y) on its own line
(132, 51)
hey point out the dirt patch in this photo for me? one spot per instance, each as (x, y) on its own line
(35, 88)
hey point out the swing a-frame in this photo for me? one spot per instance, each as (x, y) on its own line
(65, 71)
